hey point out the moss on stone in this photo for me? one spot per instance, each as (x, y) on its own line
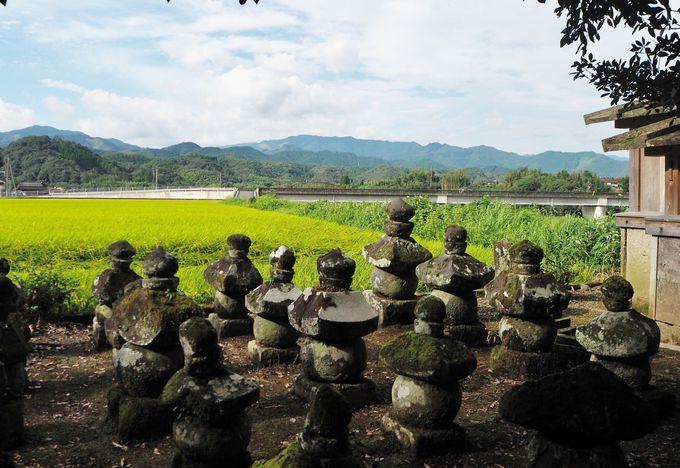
(526, 252)
(439, 360)
(294, 457)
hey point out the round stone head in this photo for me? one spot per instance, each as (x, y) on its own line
(239, 245)
(335, 270)
(455, 240)
(121, 253)
(526, 257)
(282, 261)
(399, 210)
(202, 353)
(160, 264)
(430, 312)
(617, 293)
(4, 266)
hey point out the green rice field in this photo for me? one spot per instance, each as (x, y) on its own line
(70, 237)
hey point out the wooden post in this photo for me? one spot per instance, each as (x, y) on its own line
(672, 182)
(634, 180)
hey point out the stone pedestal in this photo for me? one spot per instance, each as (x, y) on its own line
(395, 257)
(525, 366)
(421, 443)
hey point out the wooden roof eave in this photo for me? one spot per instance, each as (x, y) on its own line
(643, 136)
(628, 112)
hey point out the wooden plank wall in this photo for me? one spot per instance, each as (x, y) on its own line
(672, 195)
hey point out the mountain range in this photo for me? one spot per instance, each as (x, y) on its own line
(350, 152)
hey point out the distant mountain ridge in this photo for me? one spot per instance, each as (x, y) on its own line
(443, 156)
(350, 152)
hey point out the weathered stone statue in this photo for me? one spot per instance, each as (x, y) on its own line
(395, 257)
(622, 340)
(454, 276)
(148, 351)
(580, 415)
(13, 351)
(211, 428)
(234, 276)
(528, 298)
(108, 287)
(333, 319)
(275, 340)
(324, 443)
(426, 395)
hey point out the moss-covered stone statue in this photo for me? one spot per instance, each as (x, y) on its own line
(426, 395)
(395, 257)
(454, 276)
(109, 286)
(324, 442)
(529, 299)
(275, 340)
(211, 428)
(147, 350)
(333, 319)
(233, 276)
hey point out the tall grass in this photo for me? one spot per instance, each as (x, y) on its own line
(575, 247)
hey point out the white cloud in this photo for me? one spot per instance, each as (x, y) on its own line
(63, 85)
(13, 116)
(58, 106)
(465, 73)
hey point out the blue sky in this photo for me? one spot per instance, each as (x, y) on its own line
(459, 72)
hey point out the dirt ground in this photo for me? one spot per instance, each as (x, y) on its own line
(66, 408)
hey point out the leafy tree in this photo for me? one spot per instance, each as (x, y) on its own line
(651, 72)
(454, 180)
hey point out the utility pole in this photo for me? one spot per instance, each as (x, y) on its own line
(155, 178)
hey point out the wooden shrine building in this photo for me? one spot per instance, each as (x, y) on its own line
(650, 230)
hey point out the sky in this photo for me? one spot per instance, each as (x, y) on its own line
(463, 72)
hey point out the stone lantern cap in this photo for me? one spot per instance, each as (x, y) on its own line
(335, 270)
(617, 293)
(159, 263)
(122, 250)
(399, 210)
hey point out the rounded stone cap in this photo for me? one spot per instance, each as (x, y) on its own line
(336, 265)
(160, 264)
(440, 361)
(4, 266)
(239, 242)
(122, 250)
(430, 309)
(617, 293)
(282, 258)
(399, 210)
(526, 253)
(455, 233)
